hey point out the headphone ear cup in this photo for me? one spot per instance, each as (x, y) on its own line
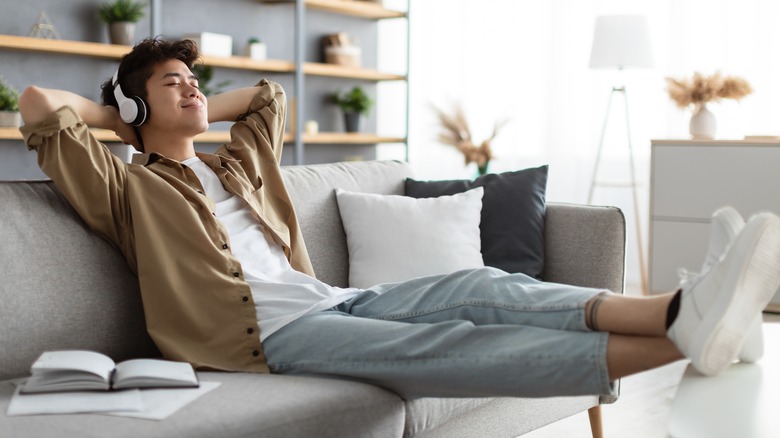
(142, 112)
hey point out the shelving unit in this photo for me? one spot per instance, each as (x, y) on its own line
(355, 8)
(298, 67)
(113, 51)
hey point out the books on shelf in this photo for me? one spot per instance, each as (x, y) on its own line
(78, 370)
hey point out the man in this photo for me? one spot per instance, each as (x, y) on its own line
(227, 283)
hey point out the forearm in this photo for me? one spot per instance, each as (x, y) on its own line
(227, 106)
(37, 103)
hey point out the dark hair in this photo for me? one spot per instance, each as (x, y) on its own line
(136, 67)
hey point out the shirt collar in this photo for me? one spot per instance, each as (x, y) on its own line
(212, 160)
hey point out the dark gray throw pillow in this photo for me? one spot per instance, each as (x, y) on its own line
(512, 223)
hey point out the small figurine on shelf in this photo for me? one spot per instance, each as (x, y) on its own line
(121, 16)
(44, 28)
(256, 49)
(353, 104)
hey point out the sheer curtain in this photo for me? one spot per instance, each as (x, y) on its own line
(527, 61)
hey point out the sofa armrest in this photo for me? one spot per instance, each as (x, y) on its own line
(585, 246)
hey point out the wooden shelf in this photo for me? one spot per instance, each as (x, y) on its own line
(105, 135)
(349, 138)
(340, 71)
(112, 51)
(246, 63)
(10, 134)
(355, 8)
(95, 50)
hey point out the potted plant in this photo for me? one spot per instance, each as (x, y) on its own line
(121, 16)
(256, 49)
(9, 106)
(699, 90)
(353, 104)
(205, 73)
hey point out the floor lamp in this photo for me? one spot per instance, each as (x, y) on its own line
(621, 41)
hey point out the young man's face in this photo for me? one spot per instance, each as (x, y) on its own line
(176, 104)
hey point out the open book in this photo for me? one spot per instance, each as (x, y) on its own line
(77, 370)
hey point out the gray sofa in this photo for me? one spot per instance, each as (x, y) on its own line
(62, 287)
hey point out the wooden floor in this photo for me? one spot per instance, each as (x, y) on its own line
(642, 411)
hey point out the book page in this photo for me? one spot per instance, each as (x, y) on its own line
(153, 373)
(78, 360)
(75, 402)
(69, 370)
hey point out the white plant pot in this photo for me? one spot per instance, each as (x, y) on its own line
(256, 51)
(703, 124)
(10, 119)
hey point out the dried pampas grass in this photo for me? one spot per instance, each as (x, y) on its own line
(455, 132)
(701, 89)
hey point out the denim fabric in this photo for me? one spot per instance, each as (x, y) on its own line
(472, 333)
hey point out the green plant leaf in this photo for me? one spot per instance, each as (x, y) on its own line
(121, 10)
(355, 100)
(9, 97)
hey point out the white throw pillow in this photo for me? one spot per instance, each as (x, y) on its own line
(394, 238)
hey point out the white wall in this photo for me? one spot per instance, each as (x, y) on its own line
(528, 61)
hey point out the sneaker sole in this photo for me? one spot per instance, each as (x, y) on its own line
(718, 340)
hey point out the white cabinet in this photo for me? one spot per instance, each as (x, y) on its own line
(690, 180)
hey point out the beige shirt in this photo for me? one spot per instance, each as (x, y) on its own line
(197, 304)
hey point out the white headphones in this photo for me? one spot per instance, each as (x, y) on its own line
(132, 109)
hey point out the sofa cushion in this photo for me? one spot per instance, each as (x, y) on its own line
(311, 189)
(512, 216)
(243, 405)
(489, 417)
(394, 238)
(62, 286)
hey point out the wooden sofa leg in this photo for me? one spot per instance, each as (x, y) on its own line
(594, 414)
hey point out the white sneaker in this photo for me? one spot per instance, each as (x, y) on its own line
(717, 311)
(725, 225)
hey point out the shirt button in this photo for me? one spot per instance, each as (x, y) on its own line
(245, 299)
(255, 353)
(250, 330)
(224, 246)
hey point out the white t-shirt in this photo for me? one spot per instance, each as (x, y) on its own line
(281, 294)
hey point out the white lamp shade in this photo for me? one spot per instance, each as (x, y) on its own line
(621, 41)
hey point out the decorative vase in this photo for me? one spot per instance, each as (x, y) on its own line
(122, 32)
(703, 124)
(10, 119)
(352, 121)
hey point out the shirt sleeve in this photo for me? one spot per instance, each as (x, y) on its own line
(257, 138)
(90, 177)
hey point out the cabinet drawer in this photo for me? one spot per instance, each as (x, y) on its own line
(677, 245)
(691, 182)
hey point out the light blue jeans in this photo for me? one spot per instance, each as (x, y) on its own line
(469, 334)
